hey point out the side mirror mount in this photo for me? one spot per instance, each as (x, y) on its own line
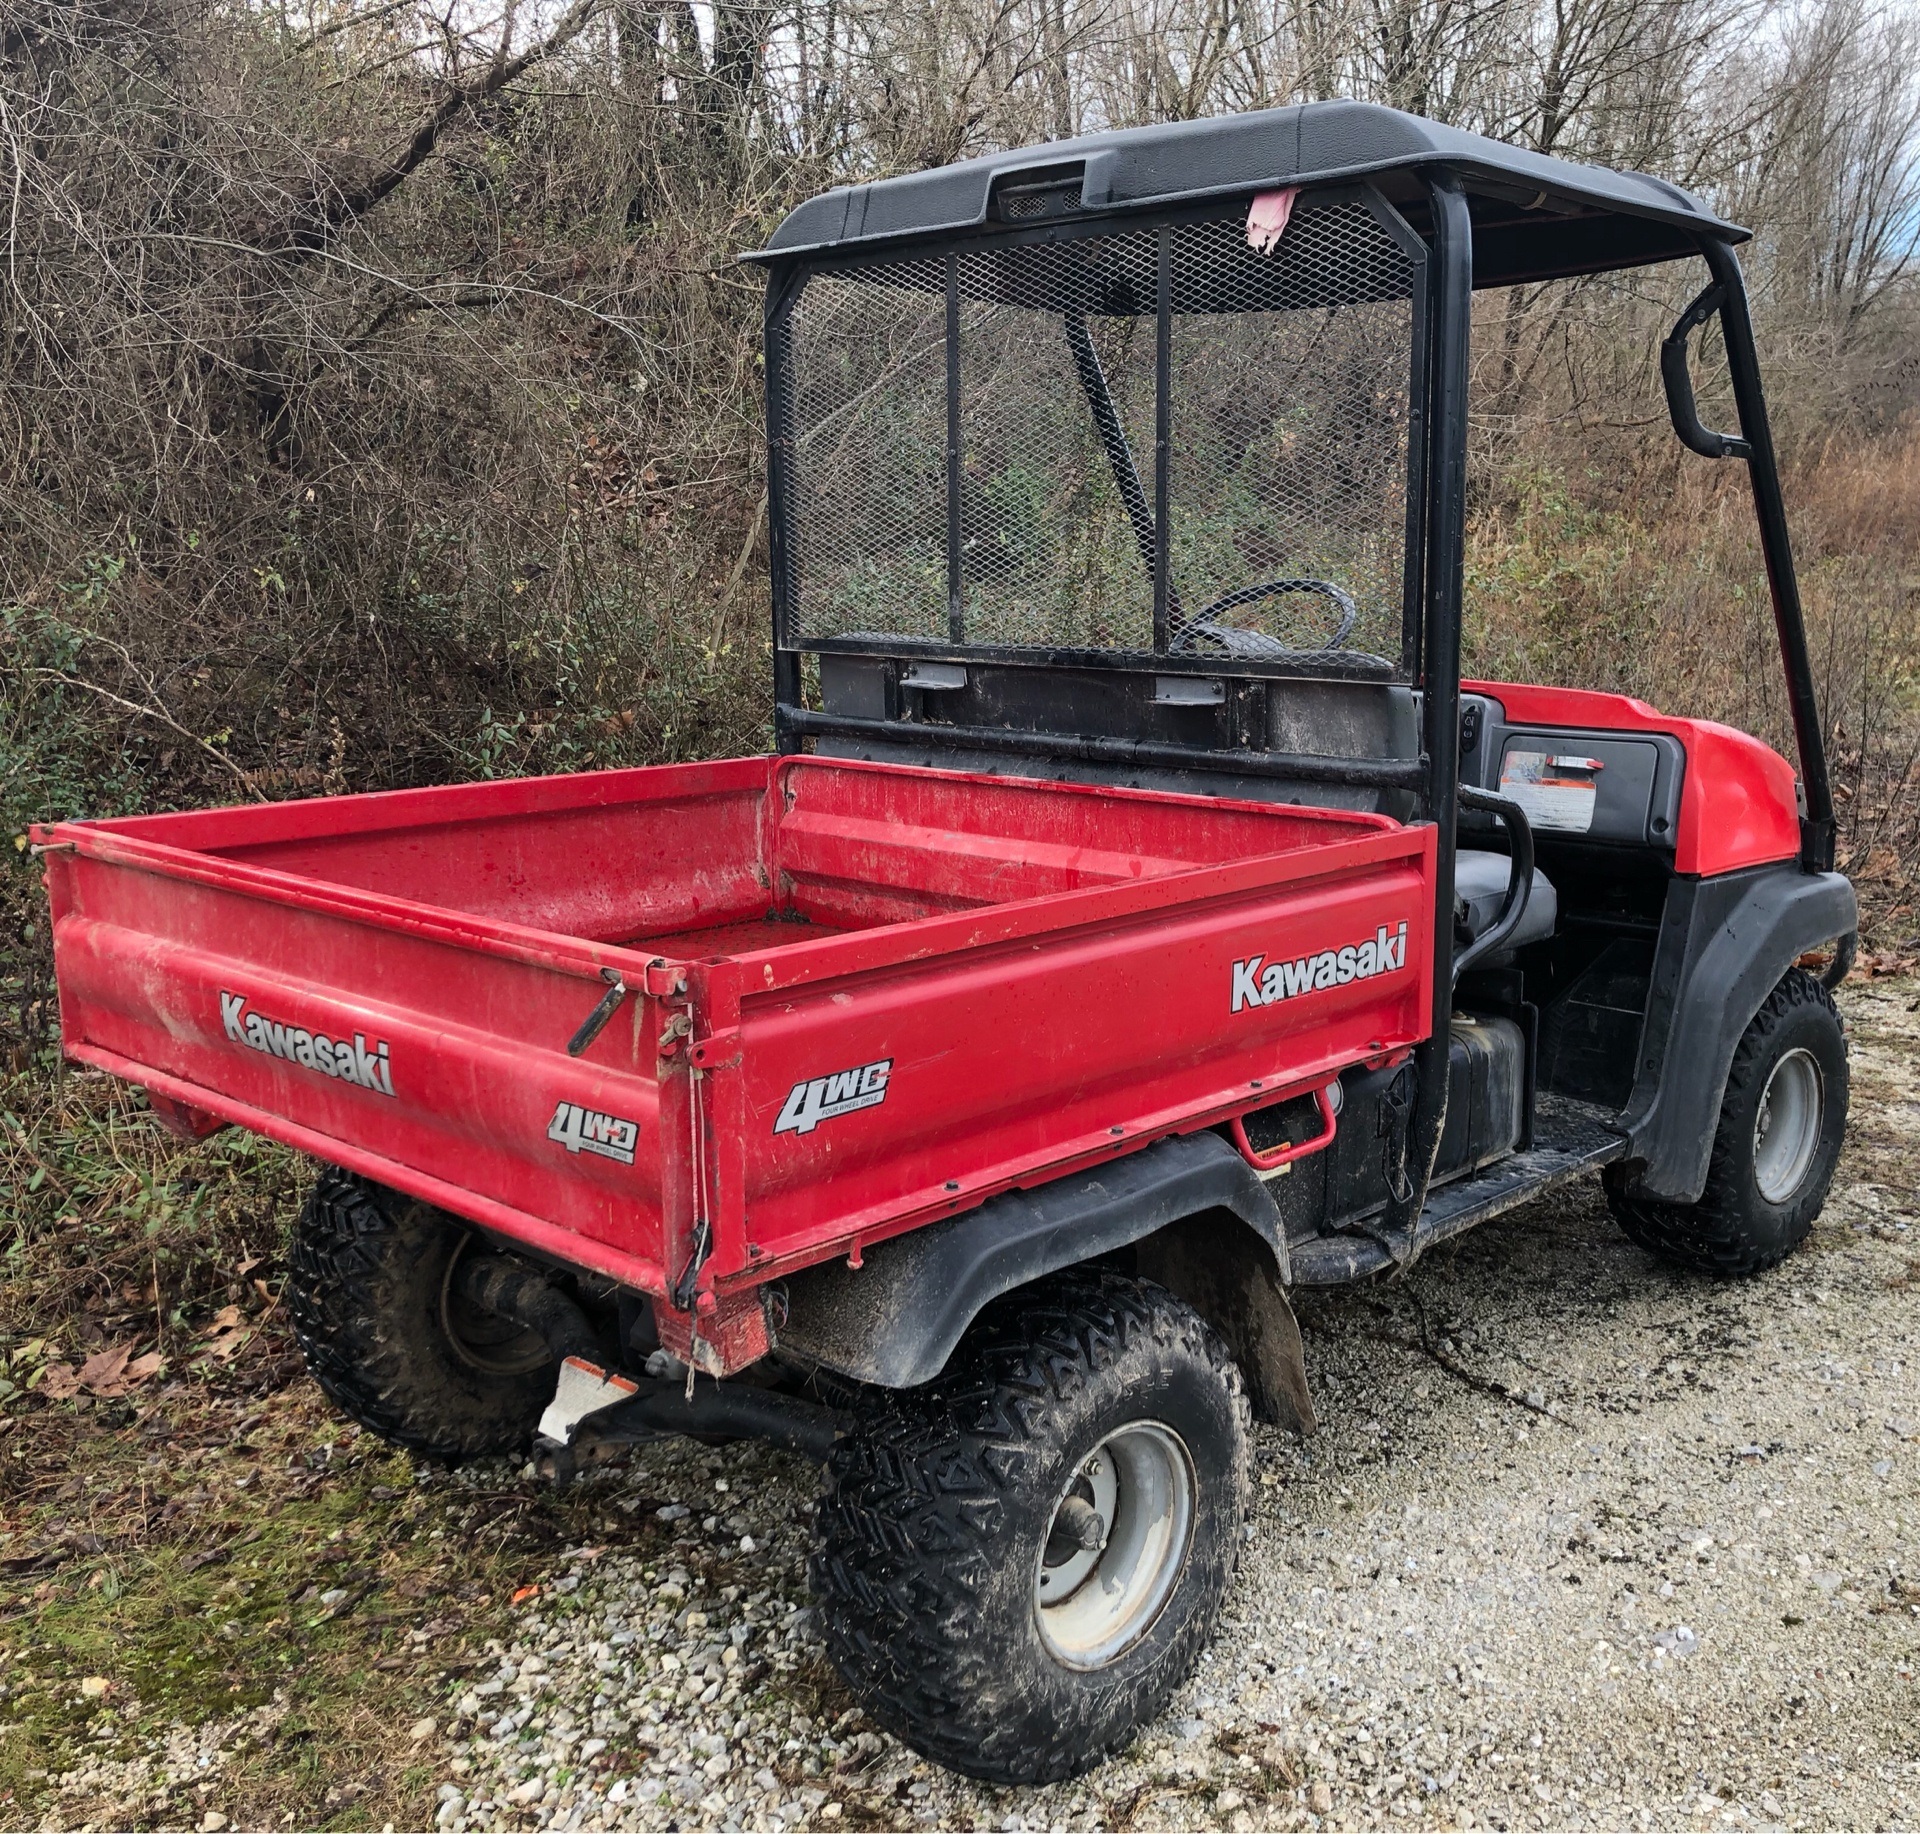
(1678, 379)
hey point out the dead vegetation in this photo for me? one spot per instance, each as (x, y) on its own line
(379, 404)
(379, 399)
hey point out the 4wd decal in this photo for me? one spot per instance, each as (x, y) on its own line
(587, 1130)
(1254, 985)
(844, 1092)
(345, 1063)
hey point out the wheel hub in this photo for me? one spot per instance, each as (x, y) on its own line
(1116, 1545)
(1786, 1129)
(484, 1340)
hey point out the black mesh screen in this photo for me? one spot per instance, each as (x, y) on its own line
(1048, 551)
(867, 368)
(1289, 438)
(1285, 485)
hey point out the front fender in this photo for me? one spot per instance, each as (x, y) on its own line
(1725, 944)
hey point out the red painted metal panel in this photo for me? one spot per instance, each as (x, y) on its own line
(1008, 1060)
(1738, 805)
(907, 989)
(447, 1074)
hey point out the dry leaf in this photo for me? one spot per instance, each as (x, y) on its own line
(228, 1335)
(523, 1593)
(105, 1366)
(105, 1372)
(116, 1371)
(61, 1382)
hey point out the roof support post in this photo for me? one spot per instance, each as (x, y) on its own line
(1783, 587)
(783, 288)
(1451, 317)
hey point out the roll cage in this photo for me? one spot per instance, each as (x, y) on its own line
(1130, 654)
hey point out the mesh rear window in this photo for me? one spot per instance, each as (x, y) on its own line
(1286, 461)
(868, 493)
(1047, 552)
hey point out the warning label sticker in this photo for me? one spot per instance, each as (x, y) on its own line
(1553, 790)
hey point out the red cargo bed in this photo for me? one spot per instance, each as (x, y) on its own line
(883, 993)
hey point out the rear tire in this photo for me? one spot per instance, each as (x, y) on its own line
(370, 1300)
(1782, 1122)
(962, 1599)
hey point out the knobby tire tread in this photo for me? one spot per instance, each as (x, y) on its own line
(367, 1361)
(902, 1568)
(1714, 1236)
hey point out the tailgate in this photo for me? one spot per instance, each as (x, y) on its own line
(406, 1042)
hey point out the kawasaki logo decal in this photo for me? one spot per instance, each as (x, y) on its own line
(587, 1130)
(844, 1092)
(1254, 985)
(345, 1063)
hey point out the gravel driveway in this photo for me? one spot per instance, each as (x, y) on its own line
(1582, 1541)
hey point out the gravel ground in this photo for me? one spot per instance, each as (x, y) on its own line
(1582, 1542)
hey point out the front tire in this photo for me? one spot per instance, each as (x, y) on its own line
(370, 1293)
(1021, 1561)
(1782, 1122)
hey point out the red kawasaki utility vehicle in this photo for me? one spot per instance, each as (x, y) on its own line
(1140, 918)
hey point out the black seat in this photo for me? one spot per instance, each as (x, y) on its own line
(1480, 889)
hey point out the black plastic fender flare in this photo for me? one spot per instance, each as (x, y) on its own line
(1204, 1225)
(1726, 943)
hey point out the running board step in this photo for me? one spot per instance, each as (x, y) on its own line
(1334, 1260)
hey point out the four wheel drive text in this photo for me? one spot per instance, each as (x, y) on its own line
(844, 1092)
(587, 1130)
(1330, 968)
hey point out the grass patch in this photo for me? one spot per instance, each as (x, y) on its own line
(215, 1594)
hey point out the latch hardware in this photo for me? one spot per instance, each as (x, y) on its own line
(717, 1051)
(596, 1021)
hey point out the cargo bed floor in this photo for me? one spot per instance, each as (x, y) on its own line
(743, 936)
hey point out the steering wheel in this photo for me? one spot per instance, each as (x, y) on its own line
(1238, 642)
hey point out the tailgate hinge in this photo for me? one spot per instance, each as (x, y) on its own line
(662, 979)
(717, 1051)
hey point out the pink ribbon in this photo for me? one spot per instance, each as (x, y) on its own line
(1267, 219)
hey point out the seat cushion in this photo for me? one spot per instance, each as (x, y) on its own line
(1480, 889)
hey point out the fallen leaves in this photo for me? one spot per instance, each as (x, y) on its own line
(1879, 964)
(228, 1335)
(107, 1373)
(117, 1371)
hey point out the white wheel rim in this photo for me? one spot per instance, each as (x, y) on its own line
(1786, 1131)
(1092, 1604)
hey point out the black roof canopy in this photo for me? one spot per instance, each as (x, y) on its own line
(1535, 218)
